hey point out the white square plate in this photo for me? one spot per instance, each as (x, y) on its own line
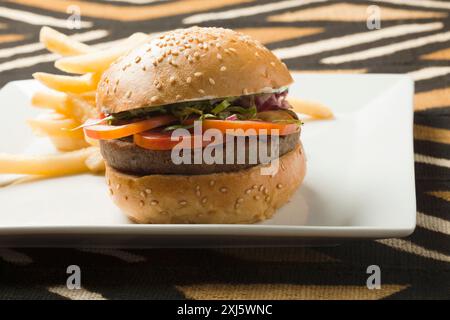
(359, 182)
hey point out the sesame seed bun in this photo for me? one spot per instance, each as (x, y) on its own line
(244, 196)
(190, 64)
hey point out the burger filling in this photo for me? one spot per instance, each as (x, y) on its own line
(142, 141)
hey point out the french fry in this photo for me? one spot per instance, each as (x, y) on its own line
(89, 97)
(312, 109)
(95, 162)
(135, 39)
(98, 61)
(66, 163)
(72, 102)
(50, 100)
(70, 84)
(56, 126)
(80, 108)
(59, 43)
(68, 143)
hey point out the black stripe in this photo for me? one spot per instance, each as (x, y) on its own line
(436, 117)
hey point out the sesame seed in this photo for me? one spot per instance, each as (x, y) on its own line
(255, 186)
(141, 203)
(204, 200)
(137, 60)
(198, 74)
(160, 58)
(219, 56)
(173, 62)
(118, 186)
(142, 193)
(154, 98)
(261, 188)
(211, 80)
(248, 191)
(158, 85)
(201, 91)
(197, 188)
(223, 68)
(172, 80)
(240, 200)
(182, 202)
(223, 189)
(154, 202)
(257, 54)
(175, 52)
(188, 80)
(272, 64)
(232, 49)
(279, 186)
(212, 182)
(245, 91)
(267, 198)
(190, 59)
(148, 191)
(196, 55)
(163, 213)
(178, 97)
(256, 197)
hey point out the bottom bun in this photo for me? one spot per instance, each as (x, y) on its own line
(244, 196)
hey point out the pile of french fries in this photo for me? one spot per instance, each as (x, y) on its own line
(68, 103)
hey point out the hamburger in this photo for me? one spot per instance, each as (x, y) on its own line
(157, 104)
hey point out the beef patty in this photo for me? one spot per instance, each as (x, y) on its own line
(125, 156)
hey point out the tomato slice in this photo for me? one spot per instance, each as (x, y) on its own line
(107, 132)
(157, 140)
(259, 127)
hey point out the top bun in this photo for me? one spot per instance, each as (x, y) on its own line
(190, 64)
